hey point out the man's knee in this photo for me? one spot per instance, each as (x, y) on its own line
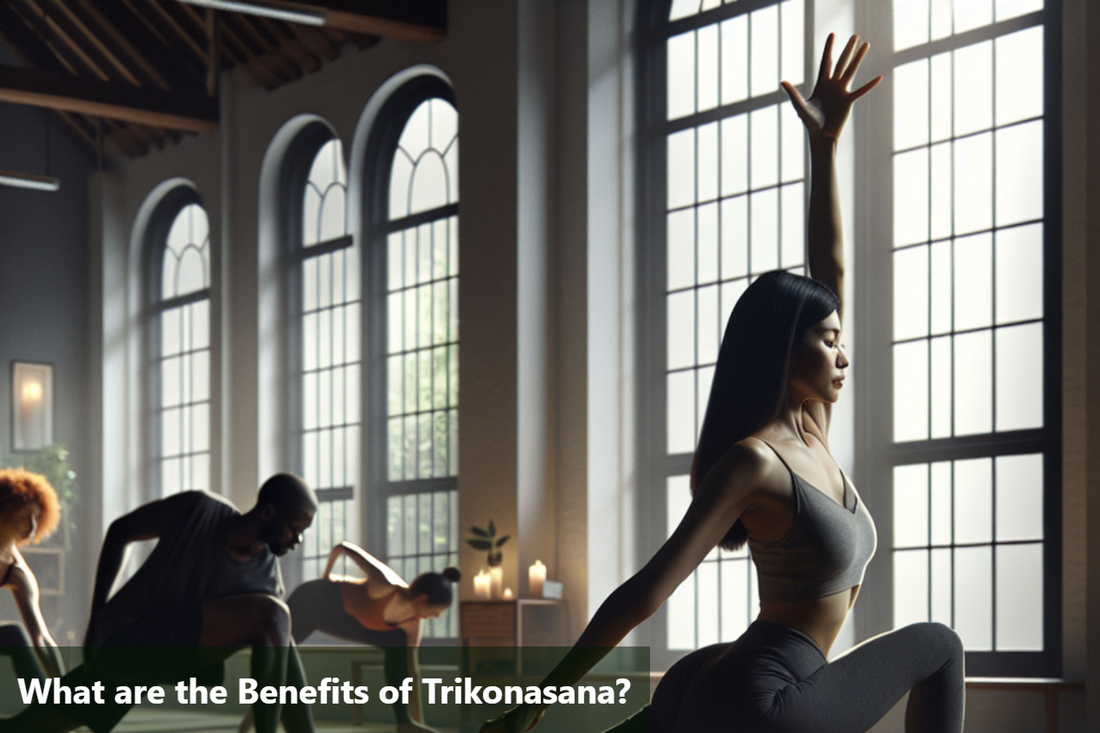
(272, 618)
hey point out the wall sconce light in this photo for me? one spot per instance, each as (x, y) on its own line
(32, 405)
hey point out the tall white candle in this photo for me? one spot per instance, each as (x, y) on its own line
(496, 582)
(536, 579)
(481, 584)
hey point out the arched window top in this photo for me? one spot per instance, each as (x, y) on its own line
(186, 264)
(324, 210)
(424, 175)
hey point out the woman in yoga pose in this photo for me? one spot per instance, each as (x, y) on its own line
(763, 473)
(378, 610)
(28, 514)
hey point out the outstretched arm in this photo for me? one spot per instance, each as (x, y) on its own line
(719, 502)
(141, 524)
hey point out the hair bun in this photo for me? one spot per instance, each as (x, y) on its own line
(452, 574)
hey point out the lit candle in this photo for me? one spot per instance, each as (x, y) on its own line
(536, 578)
(481, 584)
(507, 594)
(496, 582)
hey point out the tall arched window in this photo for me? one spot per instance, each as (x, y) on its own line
(327, 359)
(180, 345)
(727, 202)
(413, 502)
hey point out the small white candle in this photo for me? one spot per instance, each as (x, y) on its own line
(507, 594)
(481, 584)
(536, 578)
(496, 582)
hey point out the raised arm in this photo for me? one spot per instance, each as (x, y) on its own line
(724, 495)
(824, 115)
(381, 578)
(141, 524)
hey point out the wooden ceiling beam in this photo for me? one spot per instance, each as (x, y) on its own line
(169, 28)
(301, 54)
(317, 40)
(176, 111)
(48, 27)
(260, 49)
(291, 46)
(93, 15)
(424, 21)
(237, 50)
(61, 12)
(174, 60)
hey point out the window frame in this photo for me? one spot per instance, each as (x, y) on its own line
(295, 176)
(653, 30)
(871, 322)
(380, 152)
(876, 452)
(155, 245)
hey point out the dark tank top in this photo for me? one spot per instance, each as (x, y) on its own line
(825, 551)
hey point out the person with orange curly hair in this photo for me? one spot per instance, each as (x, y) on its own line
(29, 513)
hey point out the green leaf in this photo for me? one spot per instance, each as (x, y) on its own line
(479, 544)
(479, 531)
(492, 528)
(502, 540)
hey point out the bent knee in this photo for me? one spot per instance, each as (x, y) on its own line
(270, 618)
(942, 637)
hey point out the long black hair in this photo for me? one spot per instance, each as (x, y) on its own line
(750, 380)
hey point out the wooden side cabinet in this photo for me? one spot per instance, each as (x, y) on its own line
(516, 622)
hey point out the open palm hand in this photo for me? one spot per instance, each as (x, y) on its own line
(827, 109)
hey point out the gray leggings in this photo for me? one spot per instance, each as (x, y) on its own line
(774, 679)
(316, 606)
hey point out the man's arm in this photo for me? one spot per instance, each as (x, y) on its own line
(141, 524)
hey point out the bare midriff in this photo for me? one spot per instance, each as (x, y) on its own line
(818, 618)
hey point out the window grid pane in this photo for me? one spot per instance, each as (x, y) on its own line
(421, 348)
(421, 535)
(968, 319)
(955, 525)
(330, 376)
(182, 366)
(735, 203)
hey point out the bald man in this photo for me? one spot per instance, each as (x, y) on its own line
(210, 587)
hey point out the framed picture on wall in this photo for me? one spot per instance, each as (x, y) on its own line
(31, 405)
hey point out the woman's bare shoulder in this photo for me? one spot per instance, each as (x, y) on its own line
(749, 466)
(20, 577)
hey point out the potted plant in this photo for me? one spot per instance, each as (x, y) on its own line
(486, 539)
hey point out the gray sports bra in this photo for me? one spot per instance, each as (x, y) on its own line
(825, 551)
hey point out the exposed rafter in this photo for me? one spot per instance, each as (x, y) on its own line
(140, 74)
(173, 111)
(424, 21)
